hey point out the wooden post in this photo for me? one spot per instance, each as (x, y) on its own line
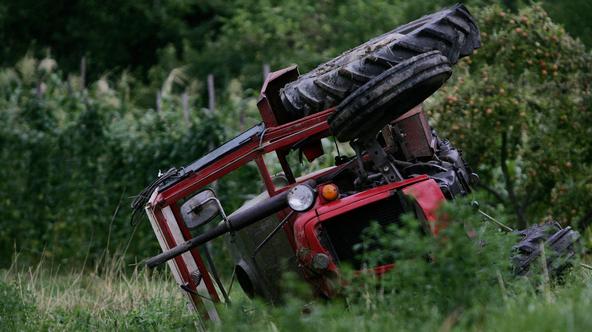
(39, 89)
(158, 101)
(83, 73)
(211, 94)
(185, 102)
(241, 118)
(211, 107)
(266, 71)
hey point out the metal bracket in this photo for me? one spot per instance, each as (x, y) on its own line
(399, 137)
(379, 158)
(221, 209)
(362, 174)
(270, 235)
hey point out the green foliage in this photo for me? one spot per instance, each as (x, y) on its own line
(113, 35)
(563, 309)
(71, 158)
(450, 282)
(445, 274)
(227, 38)
(575, 15)
(109, 299)
(519, 110)
(41, 300)
(15, 312)
(460, 280)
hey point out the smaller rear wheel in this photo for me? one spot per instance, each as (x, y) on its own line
(560, 245)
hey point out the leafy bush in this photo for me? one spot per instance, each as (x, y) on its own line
(461, 268)
(71, 158)
(459, 280)
(15, 312)
(519, 109)
(450, 282)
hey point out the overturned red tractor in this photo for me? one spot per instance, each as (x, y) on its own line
(370, 97)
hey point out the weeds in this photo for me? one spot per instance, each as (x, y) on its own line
(452, 282)
(449, 273)
(106, 298)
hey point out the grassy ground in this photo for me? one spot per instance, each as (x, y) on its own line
(467, 286)
(43, 300)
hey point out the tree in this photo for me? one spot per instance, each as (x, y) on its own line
(519, 108)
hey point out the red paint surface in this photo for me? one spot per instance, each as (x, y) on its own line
(424, 190)
(197, 301)
(196, 256)
(429, 197)
(301, 229)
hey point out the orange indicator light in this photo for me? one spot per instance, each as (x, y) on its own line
(330, 192)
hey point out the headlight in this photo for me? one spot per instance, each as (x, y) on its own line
(301, 198)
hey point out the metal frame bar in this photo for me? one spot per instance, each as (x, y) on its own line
(274, 138)
(281, 137)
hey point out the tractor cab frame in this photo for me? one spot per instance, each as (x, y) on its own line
(269, 236)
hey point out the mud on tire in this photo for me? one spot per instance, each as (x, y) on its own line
(560, 248)
(387, 96)
(451, 31)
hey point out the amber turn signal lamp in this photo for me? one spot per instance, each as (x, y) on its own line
(330, 192)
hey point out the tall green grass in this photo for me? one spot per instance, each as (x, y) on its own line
(106, 297)
(449, 283)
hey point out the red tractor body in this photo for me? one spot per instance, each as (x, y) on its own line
(341, 224)
(370, 97)
(317, 240)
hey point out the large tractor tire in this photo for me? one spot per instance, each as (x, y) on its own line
(451, 31)
(560, 245)
(389, 95)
